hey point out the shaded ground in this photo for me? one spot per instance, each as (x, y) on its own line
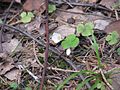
(22, 46)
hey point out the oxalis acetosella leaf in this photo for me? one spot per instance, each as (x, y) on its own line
(85, 29)
(70, 41)
(26, 17)
(112, 38)
(51, 8)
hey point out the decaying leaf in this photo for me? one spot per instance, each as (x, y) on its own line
(65, 30)
(31, 5)
(11, 46)
(64, 16)
(5, 67)
(113, 26)
(101, 24)
(13, 74)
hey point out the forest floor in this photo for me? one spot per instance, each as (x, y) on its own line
(59, 45)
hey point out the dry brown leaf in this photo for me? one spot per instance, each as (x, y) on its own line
(34, 25)
(13, 74)
(65, 30)
(13, 45)
(5, 67)
(38, 5)
(64, 16)
(114, 26)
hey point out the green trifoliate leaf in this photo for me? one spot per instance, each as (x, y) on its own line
(85, 30)
(80, 28)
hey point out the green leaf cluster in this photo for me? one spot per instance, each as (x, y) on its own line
(85, 29)
(26, 17)
(14, 85)
(51, 8)
(70, 41)
(112, 38)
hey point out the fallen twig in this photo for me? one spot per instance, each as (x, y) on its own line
(47, 47)
(93, 5)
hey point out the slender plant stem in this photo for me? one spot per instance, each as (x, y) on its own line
(47, 47)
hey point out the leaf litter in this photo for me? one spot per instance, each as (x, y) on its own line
(63, 21)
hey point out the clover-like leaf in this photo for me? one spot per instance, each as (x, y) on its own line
(80, 28)
(88, 29)
(51, 8)
(75, 42)
(30, 14)
(26, 17)
(70, 41)
(85, 30)
(112, 38)
(23, 14)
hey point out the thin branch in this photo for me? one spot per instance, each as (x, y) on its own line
(47, 47)
(93, 5)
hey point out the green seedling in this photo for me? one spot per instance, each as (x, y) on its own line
(51, 8)
(118, 51)
(112, 38)
(85, 29)
(95, 47)
(26, 17)
(14, 85)
(71, 41)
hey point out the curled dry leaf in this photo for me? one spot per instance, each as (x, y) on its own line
(113, 26)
